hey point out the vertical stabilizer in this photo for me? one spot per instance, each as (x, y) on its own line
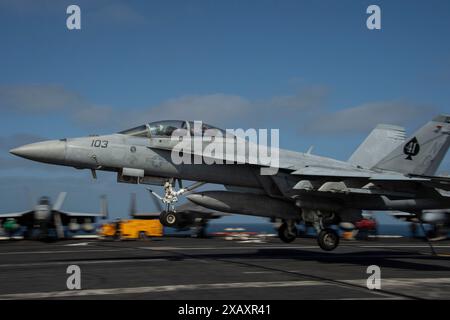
(379, 143)
(423, 152)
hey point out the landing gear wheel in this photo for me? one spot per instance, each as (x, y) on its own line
(328, 239)
(169, 219)
(285, 234)
(199, 232)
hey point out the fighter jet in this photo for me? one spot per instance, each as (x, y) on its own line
(193, 217)
(386, 172)
(44, 216)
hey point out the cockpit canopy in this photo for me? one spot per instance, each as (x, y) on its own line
(167, 127)
(44, 201)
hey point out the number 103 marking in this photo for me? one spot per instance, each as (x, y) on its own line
(99, 143)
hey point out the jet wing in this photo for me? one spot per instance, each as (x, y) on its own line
(333, 173)
(14, 214)
(323, 180)
(436, 182)
(22, 218)
(79, 214)
(67, 216)
(340, 174)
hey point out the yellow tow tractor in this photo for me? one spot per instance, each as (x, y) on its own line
(128, 229)
(144, 227)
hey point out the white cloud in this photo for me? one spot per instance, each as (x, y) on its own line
(365, 117)
(224, 109)
(32, 99)
(48, 99)
(211, 108)
(217, 108)
(305, 110)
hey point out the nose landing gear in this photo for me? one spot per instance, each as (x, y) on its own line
(169, 218)
(171, 195)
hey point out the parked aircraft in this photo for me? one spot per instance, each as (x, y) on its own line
(45, 216)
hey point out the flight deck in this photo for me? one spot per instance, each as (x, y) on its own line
(189, 268)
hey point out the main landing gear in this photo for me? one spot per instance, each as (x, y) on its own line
(287, 232)
(327, 239)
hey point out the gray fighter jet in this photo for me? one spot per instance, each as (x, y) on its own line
(387, 172)
(44, 216)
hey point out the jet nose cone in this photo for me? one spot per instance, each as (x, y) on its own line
(15, 151)
(53, 151)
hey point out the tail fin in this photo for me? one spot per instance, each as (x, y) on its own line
(104, 207)
(422, 153)
(132, 205)
(59, 201)
(379, 143)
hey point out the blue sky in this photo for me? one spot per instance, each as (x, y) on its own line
(310, 68)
